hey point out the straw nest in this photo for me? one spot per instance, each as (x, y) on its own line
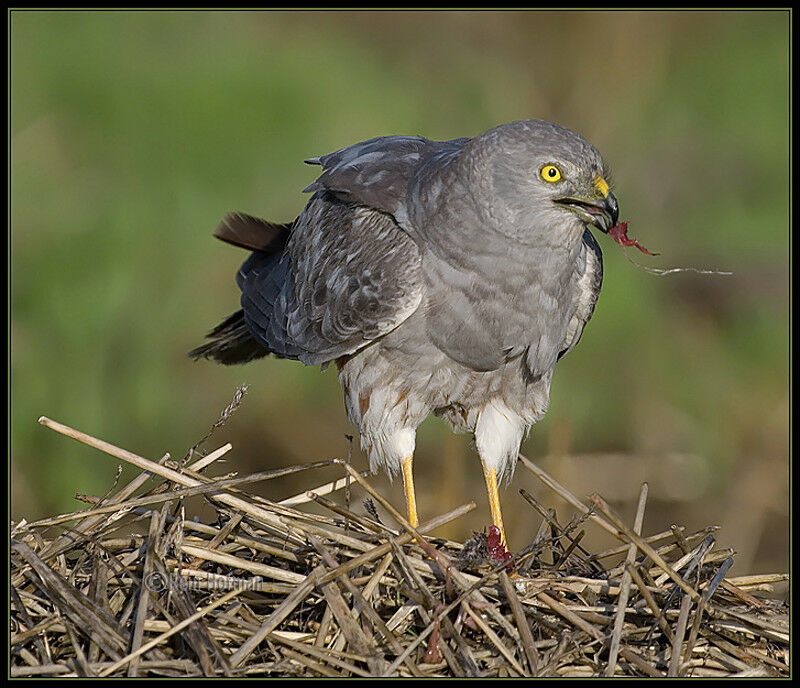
(134, 586)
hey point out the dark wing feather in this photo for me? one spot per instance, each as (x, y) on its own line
(348, 276)
(589, 289)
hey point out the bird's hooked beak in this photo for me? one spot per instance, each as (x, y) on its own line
(600, 210)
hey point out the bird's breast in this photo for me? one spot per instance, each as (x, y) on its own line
(488, 309)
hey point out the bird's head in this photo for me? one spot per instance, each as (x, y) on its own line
(545, 179)
(591, 200)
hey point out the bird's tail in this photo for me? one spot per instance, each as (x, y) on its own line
(230, 342)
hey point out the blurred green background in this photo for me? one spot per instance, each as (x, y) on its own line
(132, 133)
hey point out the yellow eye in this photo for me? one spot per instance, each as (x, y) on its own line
(550, 173)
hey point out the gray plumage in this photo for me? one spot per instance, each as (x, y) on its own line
(441, 277)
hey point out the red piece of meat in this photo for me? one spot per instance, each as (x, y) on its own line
(619, 233)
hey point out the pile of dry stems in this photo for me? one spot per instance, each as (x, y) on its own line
(133, 586)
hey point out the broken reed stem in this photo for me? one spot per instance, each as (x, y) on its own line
(523, 627)
(625, 587)
(677, 640)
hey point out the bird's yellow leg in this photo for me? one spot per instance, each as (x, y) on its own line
(411, 497)
(494, 500)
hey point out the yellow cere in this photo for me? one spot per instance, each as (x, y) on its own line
(550, 173)
(601, 185)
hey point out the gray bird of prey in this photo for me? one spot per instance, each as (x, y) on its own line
(444, 277)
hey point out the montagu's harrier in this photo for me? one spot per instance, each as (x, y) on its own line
(444, 277)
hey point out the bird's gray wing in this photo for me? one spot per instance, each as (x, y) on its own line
(589, 284)
(348, 276)
(351, 271)
(376, 173)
